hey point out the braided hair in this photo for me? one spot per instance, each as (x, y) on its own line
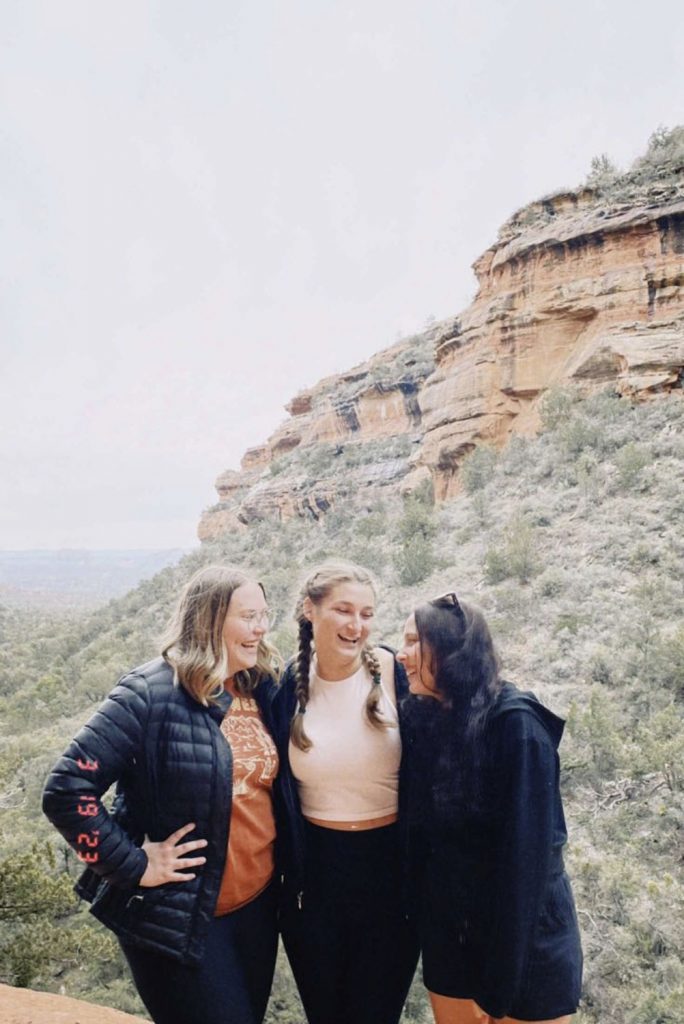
(316, 587)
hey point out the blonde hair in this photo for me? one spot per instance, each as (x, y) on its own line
(193, 641)
(317, 586)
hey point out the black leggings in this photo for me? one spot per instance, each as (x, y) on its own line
(232, 983)
(351, 949)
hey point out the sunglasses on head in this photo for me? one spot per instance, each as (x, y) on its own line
(447, 601)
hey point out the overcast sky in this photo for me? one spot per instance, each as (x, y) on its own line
(205, 208)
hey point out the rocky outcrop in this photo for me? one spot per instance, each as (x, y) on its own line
(571, 292)
(349, 434)
(576, 290)
(374, 400)
(23, 1006)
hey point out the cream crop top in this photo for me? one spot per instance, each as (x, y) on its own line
(351, 773)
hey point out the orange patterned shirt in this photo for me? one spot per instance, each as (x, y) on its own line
(250, 859)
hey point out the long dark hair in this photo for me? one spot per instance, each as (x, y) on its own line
(458, 649)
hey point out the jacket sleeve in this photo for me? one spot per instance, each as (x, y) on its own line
(527, 769)
(282, 709)
(100, 753)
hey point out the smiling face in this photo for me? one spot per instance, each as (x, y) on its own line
(341, 623)
(415, 657)
(244, 626)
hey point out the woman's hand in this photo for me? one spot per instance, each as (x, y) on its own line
(166, 861)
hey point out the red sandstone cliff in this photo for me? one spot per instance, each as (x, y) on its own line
(579, 288)
(572, 292)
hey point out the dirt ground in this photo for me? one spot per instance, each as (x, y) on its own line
(23, 1006)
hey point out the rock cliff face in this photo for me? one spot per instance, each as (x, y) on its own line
(575, 290)
(349, 434)
(572, 291)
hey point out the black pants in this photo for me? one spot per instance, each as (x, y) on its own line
(352, 951)
(232, 983)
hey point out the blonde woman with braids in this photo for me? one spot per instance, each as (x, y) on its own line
(338, 721)
(181, 867)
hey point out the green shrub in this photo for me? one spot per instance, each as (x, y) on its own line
(36, 902)
(601, 668)
(556, 406)
(659, 1008)
(603, 172)
(630, 463)
(594, 727)
(375, 524)
(478, 468)
(578, 434)
(415, 561)
(660, 747)
(551, 583)
(515, 556)
(415, 557)
(480, 505)
(663, 662)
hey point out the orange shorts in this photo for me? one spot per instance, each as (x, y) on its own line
(466, 1011)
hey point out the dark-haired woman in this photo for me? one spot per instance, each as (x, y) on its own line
(498, 926)
(352, 951)
(180, 868)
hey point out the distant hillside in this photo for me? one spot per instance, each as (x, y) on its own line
(76, 578)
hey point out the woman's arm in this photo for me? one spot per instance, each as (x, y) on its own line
(526, 779)
(101, 752)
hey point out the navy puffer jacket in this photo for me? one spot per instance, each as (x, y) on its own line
(172, 766)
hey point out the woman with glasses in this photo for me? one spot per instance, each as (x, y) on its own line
(498, 926)
(339, 726)
(181, 866)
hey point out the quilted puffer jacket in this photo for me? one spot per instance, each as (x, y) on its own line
(172, 766)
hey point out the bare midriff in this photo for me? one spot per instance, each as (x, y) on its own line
(355, 826)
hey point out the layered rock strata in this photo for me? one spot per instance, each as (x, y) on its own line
(571, 292)
(575, 290)
(348, 435)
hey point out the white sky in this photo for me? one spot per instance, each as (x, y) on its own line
(206, 207)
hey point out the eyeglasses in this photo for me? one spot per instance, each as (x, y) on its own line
(255, 618)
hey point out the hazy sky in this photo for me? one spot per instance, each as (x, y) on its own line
(205, 208)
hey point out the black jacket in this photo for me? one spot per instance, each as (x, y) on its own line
(291, 836)
(172, 765)
(498, 918)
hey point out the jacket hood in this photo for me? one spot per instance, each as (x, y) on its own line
(513, 699)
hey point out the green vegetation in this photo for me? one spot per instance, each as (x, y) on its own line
(514, 555)
(662, 163)
(318, 462)
(38, 910)
(657, 175)
(572, 545)
(415, 557)
(413, 362)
